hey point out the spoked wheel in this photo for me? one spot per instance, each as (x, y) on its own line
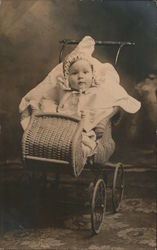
(98, 206)
(118, 187)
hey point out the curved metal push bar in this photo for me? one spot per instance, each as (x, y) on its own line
(121, 44)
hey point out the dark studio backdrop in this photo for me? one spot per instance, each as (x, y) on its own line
(30, 31)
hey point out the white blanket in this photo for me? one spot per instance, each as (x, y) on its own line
(51, 96)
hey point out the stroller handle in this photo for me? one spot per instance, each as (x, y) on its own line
(120, 45)
(98, 42)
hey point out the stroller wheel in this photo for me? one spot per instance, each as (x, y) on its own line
(118, 187)
(98, 206)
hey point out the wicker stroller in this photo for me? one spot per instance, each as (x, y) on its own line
(52, 142)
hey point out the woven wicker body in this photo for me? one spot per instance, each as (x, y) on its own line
(56, 139)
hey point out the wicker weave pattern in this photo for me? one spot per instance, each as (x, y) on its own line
(55, 137)
(49, 137)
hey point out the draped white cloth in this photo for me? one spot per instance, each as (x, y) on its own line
(54, 95)
(51, 96)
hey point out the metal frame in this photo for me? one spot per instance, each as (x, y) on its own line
(120, 45)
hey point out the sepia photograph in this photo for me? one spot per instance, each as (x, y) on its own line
(78, 124)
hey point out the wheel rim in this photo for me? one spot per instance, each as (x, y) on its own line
(118, 187)
(98, 206)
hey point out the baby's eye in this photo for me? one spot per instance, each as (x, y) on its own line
(85, 72)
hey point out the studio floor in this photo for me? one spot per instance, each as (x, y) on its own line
(31, 221)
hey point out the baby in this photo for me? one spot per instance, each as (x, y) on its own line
(82, 86)
(75, 97)
(81, 79)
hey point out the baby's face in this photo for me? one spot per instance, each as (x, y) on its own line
(80, 75)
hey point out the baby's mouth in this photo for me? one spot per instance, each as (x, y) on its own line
(81, 83)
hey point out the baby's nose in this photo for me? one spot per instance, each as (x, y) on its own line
(80, 75)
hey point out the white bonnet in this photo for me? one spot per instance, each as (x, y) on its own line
(84, 50)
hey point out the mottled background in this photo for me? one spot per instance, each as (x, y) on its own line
(30, 31)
